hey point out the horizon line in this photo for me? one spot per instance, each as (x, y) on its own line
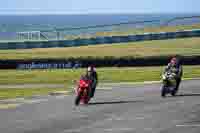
(99, 13)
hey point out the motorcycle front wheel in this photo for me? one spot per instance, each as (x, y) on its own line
(163, 91)
(77, 99)
(174, 91)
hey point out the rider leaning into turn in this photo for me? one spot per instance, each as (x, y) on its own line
(175, 65)
(91, 74)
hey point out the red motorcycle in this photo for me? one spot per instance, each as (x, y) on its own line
(83, 92)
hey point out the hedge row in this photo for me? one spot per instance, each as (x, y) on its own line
(103, 62)
(136, 61)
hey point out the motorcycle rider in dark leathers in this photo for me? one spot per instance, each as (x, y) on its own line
(92, 75)
(175, 65)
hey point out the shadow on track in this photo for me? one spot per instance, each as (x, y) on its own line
(188, 95)
(113, 102)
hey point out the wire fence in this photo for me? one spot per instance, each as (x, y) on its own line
(125, 28)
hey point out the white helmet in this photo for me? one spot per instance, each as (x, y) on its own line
(91, 69)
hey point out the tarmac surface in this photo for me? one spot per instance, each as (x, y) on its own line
(118, 109)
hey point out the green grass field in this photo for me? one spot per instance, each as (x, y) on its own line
(150, 30)
(68, 78)
(186, 47)
(27, 92)
(133, 31)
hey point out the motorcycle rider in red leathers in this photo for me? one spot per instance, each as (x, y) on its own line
(91, 74)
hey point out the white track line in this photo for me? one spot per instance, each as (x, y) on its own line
(145, 82)
(188, 125)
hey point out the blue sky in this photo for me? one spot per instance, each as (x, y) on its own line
(98, 6)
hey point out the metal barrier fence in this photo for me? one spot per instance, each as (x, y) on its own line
(99, 40)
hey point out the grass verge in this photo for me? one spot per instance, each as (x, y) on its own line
(27, 92)
(186, 47)
(136, 74)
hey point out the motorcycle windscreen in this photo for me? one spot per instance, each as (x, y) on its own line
(83, 84)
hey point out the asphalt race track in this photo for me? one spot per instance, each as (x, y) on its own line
(122, 109)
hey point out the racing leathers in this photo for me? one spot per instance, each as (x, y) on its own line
(177, 69)
(94, 78)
